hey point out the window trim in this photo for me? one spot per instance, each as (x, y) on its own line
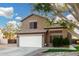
(33, 25)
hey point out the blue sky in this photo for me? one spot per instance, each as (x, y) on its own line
(20, 10)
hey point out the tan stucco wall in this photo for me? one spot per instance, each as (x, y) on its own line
(63, 33)
(41, 22)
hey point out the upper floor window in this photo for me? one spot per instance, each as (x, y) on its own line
(33, 25)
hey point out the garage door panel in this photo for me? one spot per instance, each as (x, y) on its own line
(30, 41)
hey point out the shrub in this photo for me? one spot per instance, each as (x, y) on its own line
(66, 41)
(57, 42)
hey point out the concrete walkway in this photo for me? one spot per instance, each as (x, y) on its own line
(17, 51)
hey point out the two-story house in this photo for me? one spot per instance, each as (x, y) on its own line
(36, 32)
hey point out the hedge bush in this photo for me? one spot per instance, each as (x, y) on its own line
(66, 41)
(59, 41)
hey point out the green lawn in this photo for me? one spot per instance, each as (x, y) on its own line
(77, 48)
(63, 50)
(60, 50)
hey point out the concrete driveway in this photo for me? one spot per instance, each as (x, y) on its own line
(17, 51)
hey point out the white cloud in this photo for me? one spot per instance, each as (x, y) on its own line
(15, 24)
(6, 11)
(71, 17)
(18, 18)
(12, 22)
(57, 18)
(76, 30)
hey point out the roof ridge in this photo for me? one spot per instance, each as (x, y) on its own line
(31, 15)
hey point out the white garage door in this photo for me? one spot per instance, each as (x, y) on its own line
(30, 40)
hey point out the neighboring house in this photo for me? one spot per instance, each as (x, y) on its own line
(36, 32)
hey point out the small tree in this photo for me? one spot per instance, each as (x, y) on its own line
(9, 31)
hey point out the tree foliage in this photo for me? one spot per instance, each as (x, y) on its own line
(57, 9)
(9, 31)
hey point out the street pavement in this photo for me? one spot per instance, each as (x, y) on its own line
(17, 51)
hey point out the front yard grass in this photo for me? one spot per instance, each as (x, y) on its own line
(60, 50)
(77, 48)
(63, 50)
